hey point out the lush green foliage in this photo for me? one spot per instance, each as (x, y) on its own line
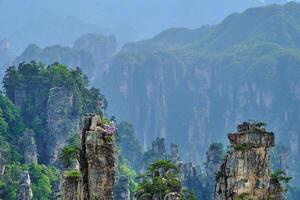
(43, 181)
(70, 153)
(160, 180)
(11, 127)
(28, 86)
(130, 148)
(72, 174)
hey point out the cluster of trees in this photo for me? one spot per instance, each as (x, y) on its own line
(23, 105)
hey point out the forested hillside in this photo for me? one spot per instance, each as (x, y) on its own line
(191, 86)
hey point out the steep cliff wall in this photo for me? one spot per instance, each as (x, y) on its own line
(245, 170)
(97, 160)
(192, 85)
(61, 122)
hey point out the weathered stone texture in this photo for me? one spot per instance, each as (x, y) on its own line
(25, 192)
(97, 161)
(159, 147)
(246, 169)
(61, 122)
(71, 189)
(29, 146)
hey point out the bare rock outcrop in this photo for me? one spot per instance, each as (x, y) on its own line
(245, 170)
(25, 192)
(97, 160)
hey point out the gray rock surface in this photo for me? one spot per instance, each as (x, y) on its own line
(97, 161)
(245, 169)
(29, 146)
(25, 192)
(61, 121)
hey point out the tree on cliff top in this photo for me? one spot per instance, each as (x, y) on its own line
(161, 180)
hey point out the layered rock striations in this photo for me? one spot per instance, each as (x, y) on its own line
(97, 161)
(25, 192)
(245, 170)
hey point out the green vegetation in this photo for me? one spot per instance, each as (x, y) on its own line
(11, 128)
(125, 170)
(43, 180)
(241, 147)
(160, 180)
(245, 196)
(281, 176)
(130, 148)
(70, 153)
(28, 86)
(72, 174)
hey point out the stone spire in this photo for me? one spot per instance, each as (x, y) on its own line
(245, 170)
(97, 160)
(25, 192)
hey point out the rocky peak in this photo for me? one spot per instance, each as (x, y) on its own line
(174, 153)
(97, 160)
(245, 170)
(159, 147)
(25, 192)
(252, 134)
(29, 147)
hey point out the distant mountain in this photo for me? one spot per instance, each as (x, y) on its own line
(192, 86)
(91, 52)
(61, 22)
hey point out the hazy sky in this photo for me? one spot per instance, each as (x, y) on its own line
(62, 21)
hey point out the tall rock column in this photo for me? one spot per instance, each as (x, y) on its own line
(245, 170)
(2, 165)
(25, 192)
(97, 160)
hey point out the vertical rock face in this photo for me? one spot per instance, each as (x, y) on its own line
(61, 121)
(97, 161)
(2, 165)
(174, 153)
(214, 159)
(245, 170)
(25, 192)
(121, 191)
(29, 146)
(158, 146)
(71, 188)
